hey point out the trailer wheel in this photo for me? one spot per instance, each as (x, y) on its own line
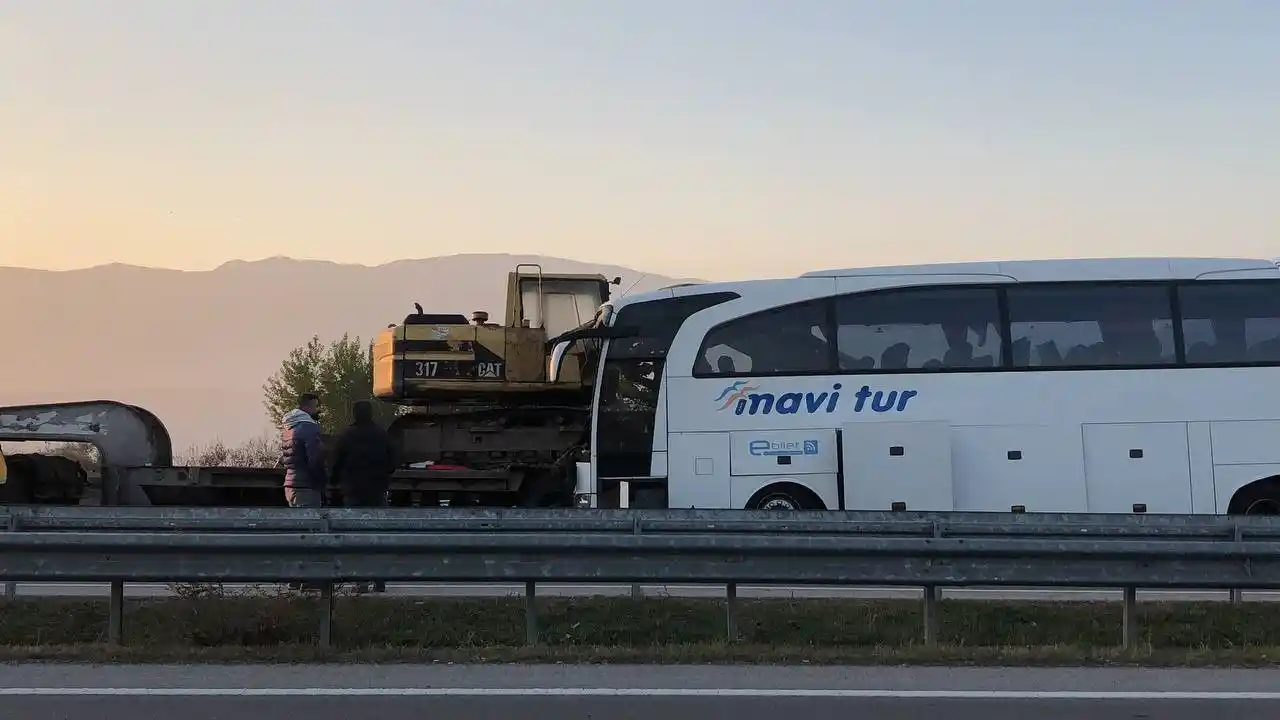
(785, 496)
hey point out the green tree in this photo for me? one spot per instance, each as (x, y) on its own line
(340, 372)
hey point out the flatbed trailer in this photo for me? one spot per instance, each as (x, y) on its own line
(262, 487)
(136, 468)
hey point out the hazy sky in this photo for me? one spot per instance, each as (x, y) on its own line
(716, 138)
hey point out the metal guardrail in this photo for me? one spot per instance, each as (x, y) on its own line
(929, 550)
(116, 518)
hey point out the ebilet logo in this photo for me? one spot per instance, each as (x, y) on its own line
(782, 448)
(745, 399)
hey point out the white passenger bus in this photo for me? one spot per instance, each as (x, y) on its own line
(1056, 385)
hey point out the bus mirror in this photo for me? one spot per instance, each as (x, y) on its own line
(556, 360)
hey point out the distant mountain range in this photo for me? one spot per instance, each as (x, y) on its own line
(195, 347)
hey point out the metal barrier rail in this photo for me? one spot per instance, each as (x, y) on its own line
(929, 550)
(923, 524)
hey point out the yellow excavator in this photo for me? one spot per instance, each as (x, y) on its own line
(481, 415)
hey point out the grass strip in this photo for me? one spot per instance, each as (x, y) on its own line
(658, 630)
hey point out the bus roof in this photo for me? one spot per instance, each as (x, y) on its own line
(1077, 269)
(1064, 270)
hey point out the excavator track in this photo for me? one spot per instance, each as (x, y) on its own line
(490, 438)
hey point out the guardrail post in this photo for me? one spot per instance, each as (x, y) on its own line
(931, 623)
(637, 590)
(1237, 595)
(11, 587)
(115, 614)
(530, 613)
(731, 612)
(326, 614)
(1129, 638)
(932, 594)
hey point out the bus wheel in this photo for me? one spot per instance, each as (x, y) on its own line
(1263, 506)
(785, 496)
(1261, 497)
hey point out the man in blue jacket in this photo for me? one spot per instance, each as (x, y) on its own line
(302, 454)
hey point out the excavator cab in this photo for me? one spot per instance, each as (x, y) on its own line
(434, 358)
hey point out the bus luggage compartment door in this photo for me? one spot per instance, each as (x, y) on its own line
(809, 458)
(889, 462)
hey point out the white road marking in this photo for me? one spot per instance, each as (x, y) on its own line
(635, 692)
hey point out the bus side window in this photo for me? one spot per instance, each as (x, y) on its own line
(923, 328)
(1226, 322)
(781, 340)
(1091, 325)
(723, 360)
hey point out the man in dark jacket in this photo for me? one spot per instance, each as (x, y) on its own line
(363, 461)
(302, 454)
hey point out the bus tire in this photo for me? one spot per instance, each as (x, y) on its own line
(1260, 497)
(785, 496)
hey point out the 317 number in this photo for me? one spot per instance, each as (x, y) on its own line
(426, 368)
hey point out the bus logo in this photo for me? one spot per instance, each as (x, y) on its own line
(737, 392)
(776, 448)
(746, 399)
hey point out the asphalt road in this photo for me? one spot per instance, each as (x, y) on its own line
(39, 692)
(551, 590)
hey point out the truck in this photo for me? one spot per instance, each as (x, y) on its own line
(490, 415)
